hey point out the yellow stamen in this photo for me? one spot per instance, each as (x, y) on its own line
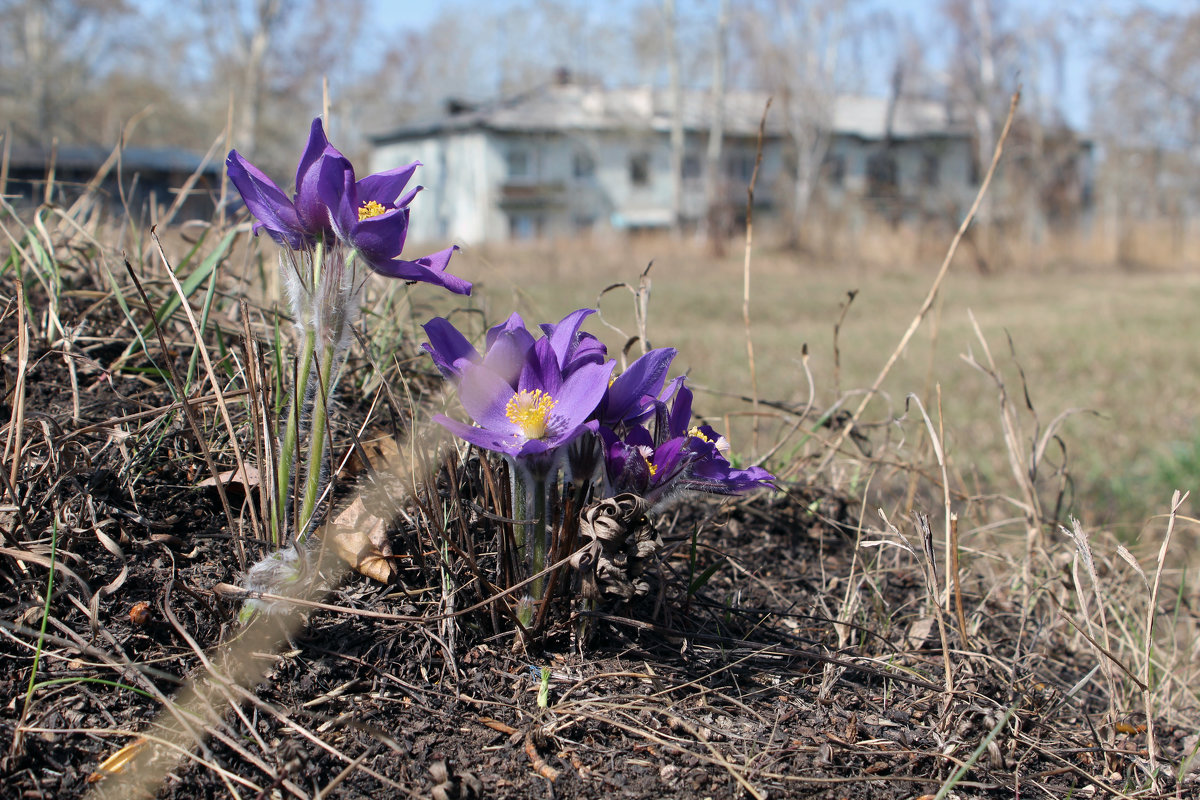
(370, 209)
(696, 432)
(530, 411)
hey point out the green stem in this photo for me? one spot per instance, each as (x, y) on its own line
(518, 494)
(287, 455)
(37, 653)
(537, 533)
(316, 443)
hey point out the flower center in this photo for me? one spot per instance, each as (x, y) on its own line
(697, 433)
(370, 209)
(530, 411)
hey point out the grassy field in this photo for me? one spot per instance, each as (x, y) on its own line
(1119, 347)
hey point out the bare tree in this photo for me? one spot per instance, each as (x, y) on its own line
(1147, 99)
(51, 54)
(676, 89)
(270, 58)
(1148, 81)
(796, 48)
(995, 49)
(714, 225)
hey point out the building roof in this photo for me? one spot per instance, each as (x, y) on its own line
(91, 157)
(572, 107)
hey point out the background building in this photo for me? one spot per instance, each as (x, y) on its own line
(566, 160)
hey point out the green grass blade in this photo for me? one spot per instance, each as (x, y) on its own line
(190, 285)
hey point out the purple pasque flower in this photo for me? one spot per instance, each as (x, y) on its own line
(507, 344)
(633, 394)
(297, 222)
(371, 215)
(633, 463)
(574, 347)
(681, 457)
(544, 411)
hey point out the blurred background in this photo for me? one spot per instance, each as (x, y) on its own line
(546, 120)
(567, 144)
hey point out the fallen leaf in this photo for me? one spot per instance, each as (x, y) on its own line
(383, 455)
(918, 632)
(245, 475)
(360, 539)
(115, 763)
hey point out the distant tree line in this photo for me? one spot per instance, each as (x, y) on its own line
(80, 71)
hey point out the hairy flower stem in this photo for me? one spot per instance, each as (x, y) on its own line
(316, 443)
(287, 454)
(529, 499)
(538, 532)
(516, 492)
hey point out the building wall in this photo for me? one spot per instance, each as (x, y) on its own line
(603, 182)
(484, 185)
(456, 202)
(907, 179)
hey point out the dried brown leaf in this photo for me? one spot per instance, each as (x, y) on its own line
(245, 475)
(360, 539)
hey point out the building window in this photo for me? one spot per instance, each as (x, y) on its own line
(739, 166)
(691, 167)
(524, 226)
(931, 170)
(639, 169)
(583, 165)
(881, 174)
(835, 169)
(519, 163)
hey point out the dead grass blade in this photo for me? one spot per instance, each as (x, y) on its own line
(838, 440)
(1177, 500)
(758, 155)
(222, 406)
(188, 411)
(1083, 552)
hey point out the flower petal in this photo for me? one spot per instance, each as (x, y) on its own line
(540, 370)
(626, 399)
(428, 269)
(580, 394)
(564, 335)
(507, 353)
(408, 196)
(318, 158)
(669, 459)
(269, 205)
(313, 150)
(513, 322)
(681, 413)
(481, 437)
(447, 346)
(561, 438)
(379, 239)
(485, 395)
(386, 187)
(335, 190)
